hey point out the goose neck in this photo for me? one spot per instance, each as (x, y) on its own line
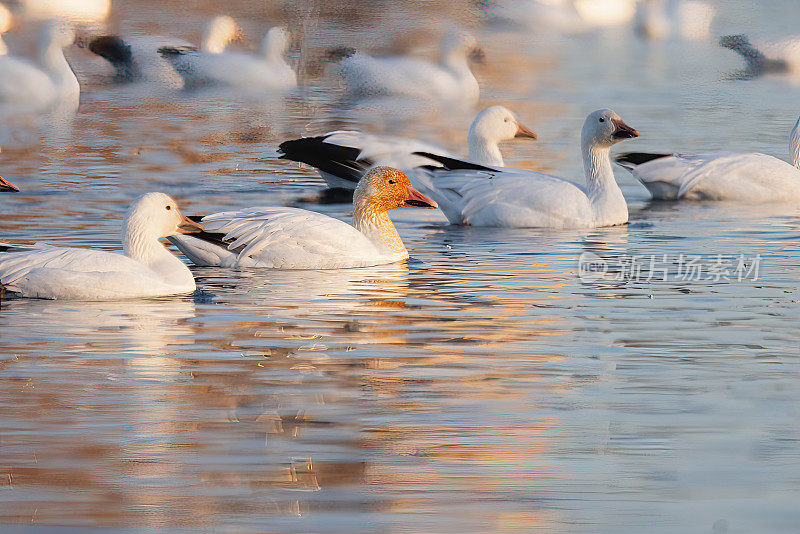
(482, 149)
(374, 222)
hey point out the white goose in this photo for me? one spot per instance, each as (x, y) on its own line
(7, 187)
(743, 177)
(136, 58)
(660, 19)
(5, 25)
(267, 71)
(78, 11)
(24, 84)
(146, 269)
(291, 238)
(479, 195)
(342, 156)
(762, 57)
(450, 79)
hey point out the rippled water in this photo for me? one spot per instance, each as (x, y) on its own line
(481, 387)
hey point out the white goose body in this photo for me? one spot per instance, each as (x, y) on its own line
(660, 19)
(38, 86)
(518, 198)
(146, 269)
(136, 58)
(291, 238)
(267, 71)
(741, 177)
(449, 79)
(342, 156)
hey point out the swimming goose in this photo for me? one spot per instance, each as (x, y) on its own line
(687, 19)
(137, 58)
(291, 238)
(267, 71)
(450, 79)
(146, 269)
(37, 86)
(5, 25)
(764, 57)
(744, 177)
(480, 195)
(78, 11)
(7, 187)
(342, 156)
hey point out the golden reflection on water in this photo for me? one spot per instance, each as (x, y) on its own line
(480, 387)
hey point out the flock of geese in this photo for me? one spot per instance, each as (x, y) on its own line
(379, 173)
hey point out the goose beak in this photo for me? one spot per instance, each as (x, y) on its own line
(623, 131)
(524, 132)
(7, 187)
(418, 200)
(188, 226)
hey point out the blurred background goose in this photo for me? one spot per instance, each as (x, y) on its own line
(136, 58)
(267, 71)
(449, 79)
(146, 269)
(37, 86)
(763, 57)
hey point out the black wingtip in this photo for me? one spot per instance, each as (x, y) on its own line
(452, 164)
(167, 51)
(336, 160)
(112, 48)
(634, 159)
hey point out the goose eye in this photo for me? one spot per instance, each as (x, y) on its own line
(602, 119)
(169, 208)
(392, 182)
(507, 119)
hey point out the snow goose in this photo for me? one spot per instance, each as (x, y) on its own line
(480, 195)
(146, 269)
(5, 25)
(743, 177)
(267, 71)
(136, 58)
(764, 57)
(291, 238)
(7, 187)
(687, 19)
(342, 156)
(36, 87)
(79, 11)
(450, 79)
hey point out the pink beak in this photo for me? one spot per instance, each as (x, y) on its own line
(6, 186)
(418, 200)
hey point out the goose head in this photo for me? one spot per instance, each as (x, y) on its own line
(385, 188)
(458, 46)
(218, 32)
(498, 123)
(275, 42)
(604, 128)
(156, 215)
(7, 187)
